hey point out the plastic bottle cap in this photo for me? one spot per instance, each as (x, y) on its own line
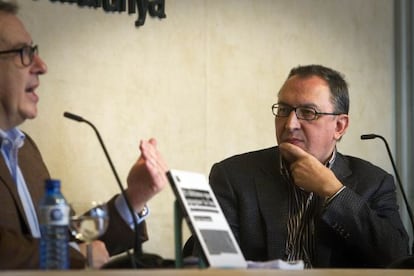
(52, 183)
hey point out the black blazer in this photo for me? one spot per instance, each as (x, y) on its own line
(361, 227)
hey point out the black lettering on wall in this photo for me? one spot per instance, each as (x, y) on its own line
(155, 8)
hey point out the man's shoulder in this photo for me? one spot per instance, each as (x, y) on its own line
(28, 138)
(357, 164)
(252, 158)
(244, 166)
(29, 149)
(260, 153)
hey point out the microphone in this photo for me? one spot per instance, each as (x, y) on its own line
(137, 243)
(410, 213)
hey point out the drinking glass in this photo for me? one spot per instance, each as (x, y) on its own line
(88, 221)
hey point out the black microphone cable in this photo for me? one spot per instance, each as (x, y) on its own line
(137, 243)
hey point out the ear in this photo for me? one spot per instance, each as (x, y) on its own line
(342, 123)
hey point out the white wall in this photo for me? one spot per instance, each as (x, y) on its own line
(201, 81)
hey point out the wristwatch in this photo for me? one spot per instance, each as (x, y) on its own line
(143, 212)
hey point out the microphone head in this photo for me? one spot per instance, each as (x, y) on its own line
(73, 117)
(368, 136)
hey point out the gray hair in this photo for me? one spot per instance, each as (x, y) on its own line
(8, 7)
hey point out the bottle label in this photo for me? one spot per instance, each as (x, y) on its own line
(55, 215)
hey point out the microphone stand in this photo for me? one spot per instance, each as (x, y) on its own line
(137, 243)
(409, 211)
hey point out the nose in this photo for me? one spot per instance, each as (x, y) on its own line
(38, 66)
(292, 122)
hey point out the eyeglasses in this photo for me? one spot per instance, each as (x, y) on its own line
(302, 112)
(27, 54)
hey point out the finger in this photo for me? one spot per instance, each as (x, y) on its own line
(291, 152)
(150, 152)
(147, 150)
(153, 159)
(158, 177)
(153, 142)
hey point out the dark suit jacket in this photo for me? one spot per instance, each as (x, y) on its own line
(361, 227)
(18, 250)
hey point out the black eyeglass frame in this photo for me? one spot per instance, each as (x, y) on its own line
(27, 49)
(315, 112)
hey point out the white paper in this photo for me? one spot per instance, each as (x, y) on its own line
(277, 264)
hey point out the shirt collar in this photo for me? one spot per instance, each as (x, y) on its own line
(331, 160)
(14, 136)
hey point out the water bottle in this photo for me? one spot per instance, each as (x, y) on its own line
(54, 221)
